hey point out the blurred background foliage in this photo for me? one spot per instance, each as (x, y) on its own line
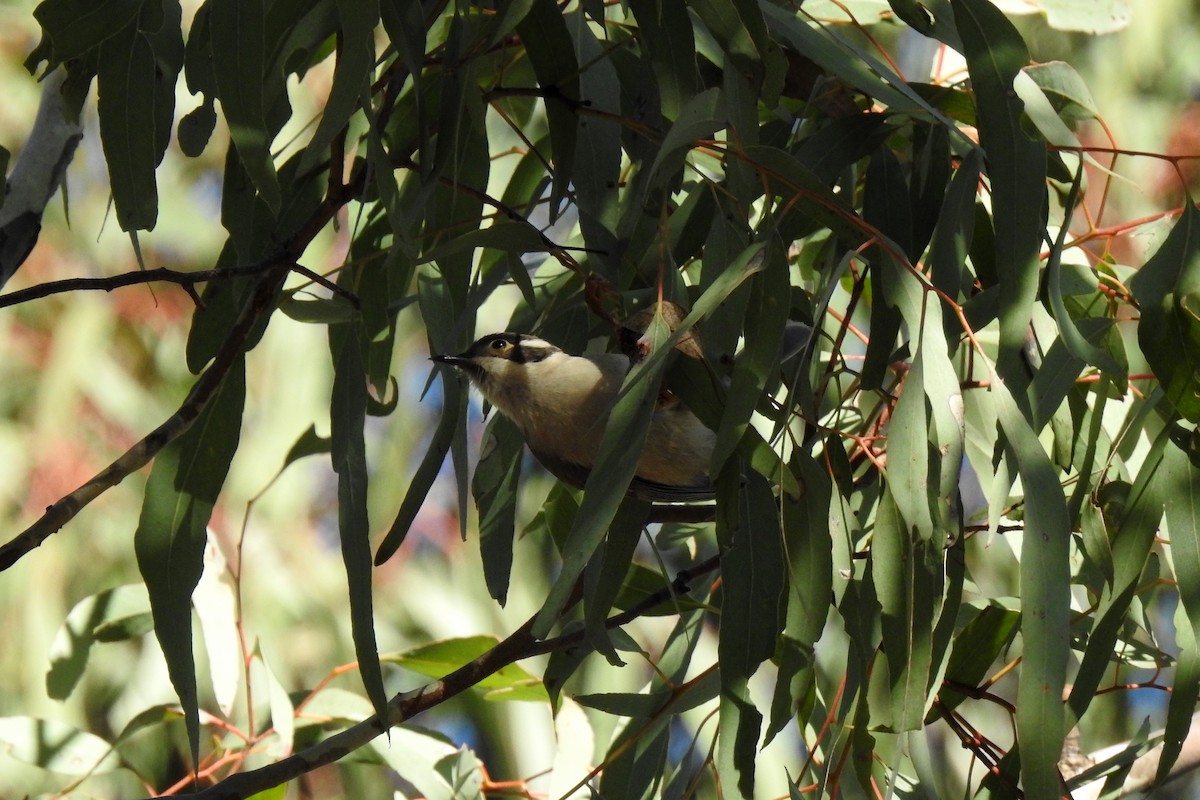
(84, 375)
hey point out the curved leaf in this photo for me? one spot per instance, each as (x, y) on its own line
(347, 416)
(169, 541)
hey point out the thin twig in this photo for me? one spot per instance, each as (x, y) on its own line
(163, 275)
(107, 284)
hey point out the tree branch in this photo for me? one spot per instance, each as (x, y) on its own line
(164, 275)
(406, 705)
(136, 457)
(275, 269)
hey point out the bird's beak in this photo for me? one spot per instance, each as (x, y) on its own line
(454, 361)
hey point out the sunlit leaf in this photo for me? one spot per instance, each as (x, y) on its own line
(439, 659)
(112, 615)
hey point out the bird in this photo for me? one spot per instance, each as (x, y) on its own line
(561, 403)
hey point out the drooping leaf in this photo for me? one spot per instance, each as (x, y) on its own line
(547, 42)
(196, 128)
(169, 541)
(453, 410)
(753, 605)
(665, 34)
(494, 487)
(347, 416)
(605, 574)
(239, 65)
(1045, 602)
(806, 530)
(1182, 508)
(1016, 166)
(976, 647)
(136, 74)
(909, 577)
(770, 300)
(351, 76)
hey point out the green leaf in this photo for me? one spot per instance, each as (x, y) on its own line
(112, 615)
(908, 574)
(196, 128)
(836, 55)
(805, 196)
(739, 28)
(1016, 165)
(804, 523)
(76, 26)
(976, 648)
(135, 75)
(506, 235)
(351, 76)
(494, 487)
(737, 737)
(753, 604)
(439, 659)
(1104, 16)
(1169, 330)
(665, 36)
(597, 171)
(417, 756)
(1182, 495)
(215, 600)
(698, 119)
(770, 302)
(347, 416)
(928, 184)
(453, 409)
(319, 311)
(952, 239)
(605, 573)
(55, 746)
(547, 42)
(169, 541)
(1072, 337)
(1134, 521)
(1066, 90)
(829, 150)
(239, 64)
(1045, 601)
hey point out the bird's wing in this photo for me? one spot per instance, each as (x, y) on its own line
(662, 493)
(576, 475)
(566, 471)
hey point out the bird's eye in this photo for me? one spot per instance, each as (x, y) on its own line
(499, 344)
